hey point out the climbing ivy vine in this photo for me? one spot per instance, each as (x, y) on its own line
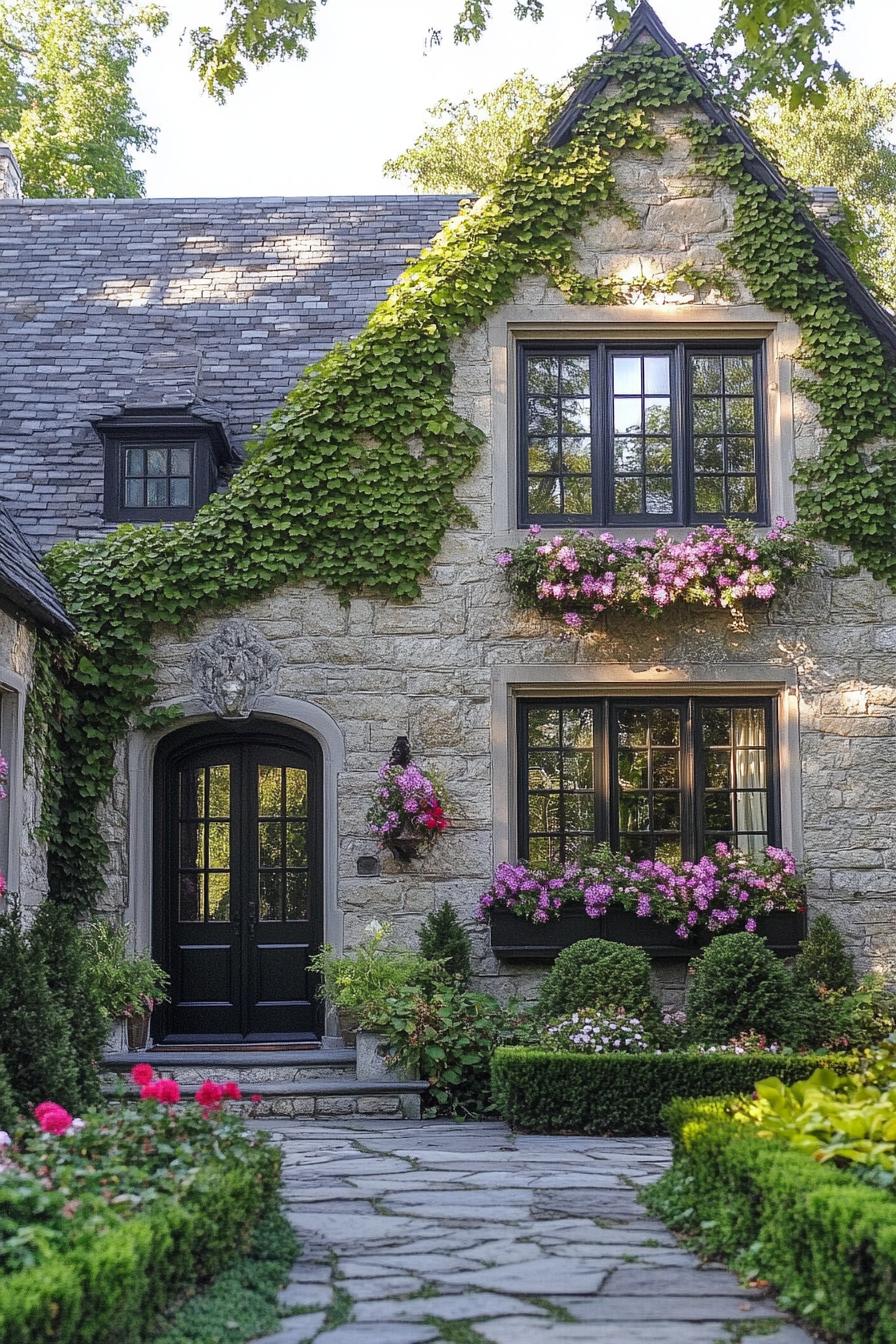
(351, 484)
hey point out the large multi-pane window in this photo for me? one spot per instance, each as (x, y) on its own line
(651, 434)
(664, 779)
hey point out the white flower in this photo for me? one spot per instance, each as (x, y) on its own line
(5, 1139)
(75, 1126)
(374, 929)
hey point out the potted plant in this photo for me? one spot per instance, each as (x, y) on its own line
(362, 983)
(130, 986)
(407, 814)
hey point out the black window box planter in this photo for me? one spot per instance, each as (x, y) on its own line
(516, 939)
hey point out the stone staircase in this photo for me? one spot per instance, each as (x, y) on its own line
(290, 1083)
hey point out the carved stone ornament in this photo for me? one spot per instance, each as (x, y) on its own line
(233, 668)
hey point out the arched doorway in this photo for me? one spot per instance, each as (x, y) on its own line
(238, 891)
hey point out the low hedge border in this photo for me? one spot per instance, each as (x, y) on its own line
(824, 1240)
(110, 1288)
(557, 1091)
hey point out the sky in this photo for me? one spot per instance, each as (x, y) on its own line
(325, 126)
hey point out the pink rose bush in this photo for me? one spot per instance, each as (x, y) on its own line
(577, 576)
(406, 802)
(726, 890)
(210, 1096)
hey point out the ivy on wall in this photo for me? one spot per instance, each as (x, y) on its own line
(352, 482)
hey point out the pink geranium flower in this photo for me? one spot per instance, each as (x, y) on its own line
(53, 1118)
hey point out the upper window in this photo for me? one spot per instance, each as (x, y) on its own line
(161, 465)
(659, 433)
(660, 779)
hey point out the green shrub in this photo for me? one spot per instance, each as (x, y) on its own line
(738, 985)
(822, 960)
(552, 1092)
(8, 1108)
(35, 1036)
(65, 954)
(444, 939)
(595, 973)
(823, 1240)
(189, 1191)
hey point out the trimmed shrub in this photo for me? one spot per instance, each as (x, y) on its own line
(740, 985)
(444, 939)
(819, 1236)
(822, 959)
(59, 943)
(8, 1108)
(553, 1092)
(35, 1040)
(594, 973)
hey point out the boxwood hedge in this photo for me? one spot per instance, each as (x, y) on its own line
(554, 1091)
(823, 1239)
(108, 1288)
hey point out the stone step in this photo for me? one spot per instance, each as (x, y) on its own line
(319, 1098)
(247, 1068)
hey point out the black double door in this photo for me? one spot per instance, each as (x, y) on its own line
(238, 907)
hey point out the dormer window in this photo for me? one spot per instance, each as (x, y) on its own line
(161, 466)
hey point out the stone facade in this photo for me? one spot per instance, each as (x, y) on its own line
(444, 669)
(22, 855)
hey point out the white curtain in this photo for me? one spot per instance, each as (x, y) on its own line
(750, 808)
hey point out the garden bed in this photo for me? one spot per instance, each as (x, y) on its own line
(106, 1222)
(559, 1092)
(514, 938)
(822, 1238)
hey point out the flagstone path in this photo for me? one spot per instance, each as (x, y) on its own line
(429, 1231)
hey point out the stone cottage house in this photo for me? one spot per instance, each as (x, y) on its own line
(141, 343)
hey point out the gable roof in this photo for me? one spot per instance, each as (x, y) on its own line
(104, 303)
(22, 583)
(835, 263)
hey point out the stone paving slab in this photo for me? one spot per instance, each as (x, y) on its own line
(413, 1230)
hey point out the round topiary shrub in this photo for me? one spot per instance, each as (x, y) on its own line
(597, 974)
(739, 985)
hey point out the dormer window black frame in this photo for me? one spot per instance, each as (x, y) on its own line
(161, 466)
(643, 433)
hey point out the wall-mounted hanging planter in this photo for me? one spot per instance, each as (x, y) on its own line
(406, 815)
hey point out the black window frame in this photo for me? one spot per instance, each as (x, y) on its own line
(203, 475)
(605, 748)
(684, 512)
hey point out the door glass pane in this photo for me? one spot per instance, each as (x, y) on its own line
(203, 794)
(282, 842)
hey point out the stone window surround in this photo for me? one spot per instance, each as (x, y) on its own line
(512, 682)
(13, 694)
(718, 322)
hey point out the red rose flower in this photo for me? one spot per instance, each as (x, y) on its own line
(168, 1091)
(209, 1094)
(255, 1098)
(52, 1118)
(232, 1092)
(435, 819)
(142, 1073)
(149, 1092)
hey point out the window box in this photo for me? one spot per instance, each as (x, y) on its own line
(517, 939)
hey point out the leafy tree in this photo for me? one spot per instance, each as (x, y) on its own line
(66, 104)
(845, 142)
(468, 143)
(775, 45)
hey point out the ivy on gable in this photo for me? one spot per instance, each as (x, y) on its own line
(351, 484)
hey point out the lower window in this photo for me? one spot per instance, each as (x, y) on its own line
(656, 778)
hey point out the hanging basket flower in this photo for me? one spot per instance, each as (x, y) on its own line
(578, 576)
(407, 814)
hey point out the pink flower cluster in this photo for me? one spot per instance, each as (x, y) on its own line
(210, 1096)
(406, 801)
(719, 891)
(55, 1119)
(578, 576)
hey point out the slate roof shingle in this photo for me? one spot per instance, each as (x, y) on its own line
(23, 585)
(92, 292)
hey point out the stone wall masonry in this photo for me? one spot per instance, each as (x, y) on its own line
(425, 669)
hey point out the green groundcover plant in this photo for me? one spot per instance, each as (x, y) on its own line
(103, 1219)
